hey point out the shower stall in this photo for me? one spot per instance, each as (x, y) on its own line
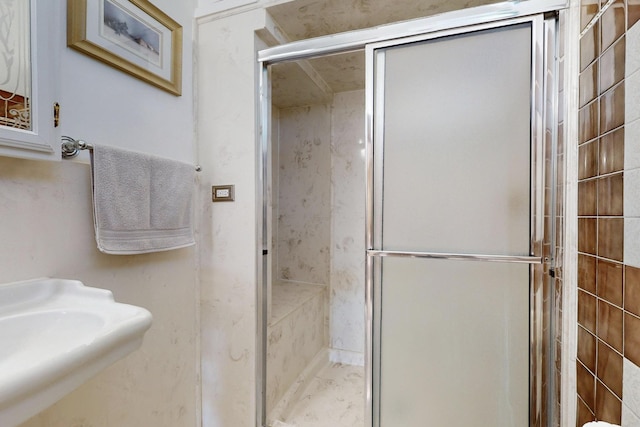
(420, 249)
(315, 328)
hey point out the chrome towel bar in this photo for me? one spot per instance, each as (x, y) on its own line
(71, 147)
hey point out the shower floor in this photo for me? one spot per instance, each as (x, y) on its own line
(334, 398)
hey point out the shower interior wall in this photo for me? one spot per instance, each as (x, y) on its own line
(317, 245)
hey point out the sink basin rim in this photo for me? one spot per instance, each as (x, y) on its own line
(25, 392)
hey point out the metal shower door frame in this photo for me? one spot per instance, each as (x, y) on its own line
(430, 27)
(543, 110)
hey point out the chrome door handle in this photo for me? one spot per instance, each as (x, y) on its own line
(521, 259)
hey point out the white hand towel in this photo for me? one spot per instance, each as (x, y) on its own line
(141, 203)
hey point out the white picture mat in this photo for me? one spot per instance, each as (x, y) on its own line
(94, 22)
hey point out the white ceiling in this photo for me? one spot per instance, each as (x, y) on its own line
(303, 19)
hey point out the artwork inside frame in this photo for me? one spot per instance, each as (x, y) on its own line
(133, 36)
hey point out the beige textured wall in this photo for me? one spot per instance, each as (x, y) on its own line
(304, 187)
(228, 152)
(46, 230)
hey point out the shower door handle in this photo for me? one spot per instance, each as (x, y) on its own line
(520, 259)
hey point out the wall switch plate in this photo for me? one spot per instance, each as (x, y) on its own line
(222, 193)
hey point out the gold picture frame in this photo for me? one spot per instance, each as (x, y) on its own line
(133, 36)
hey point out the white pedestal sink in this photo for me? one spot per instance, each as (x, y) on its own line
(56, 334)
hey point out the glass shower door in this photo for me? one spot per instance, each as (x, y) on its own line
(453, 241)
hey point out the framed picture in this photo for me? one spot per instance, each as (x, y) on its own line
(131, 35)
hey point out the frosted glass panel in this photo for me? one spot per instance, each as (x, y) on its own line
(454, 335)
(457, 143)
(454, 344)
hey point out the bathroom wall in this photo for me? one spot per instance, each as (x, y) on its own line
(348, 192)
(298, 325)
(212, 6)
(321, 186)
(46, 229)
(304, 200)
(609, 255)
(273, 206)
(228, 151)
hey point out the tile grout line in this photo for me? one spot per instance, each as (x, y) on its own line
(596, 17)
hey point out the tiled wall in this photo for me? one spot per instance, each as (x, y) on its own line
(608, 276)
